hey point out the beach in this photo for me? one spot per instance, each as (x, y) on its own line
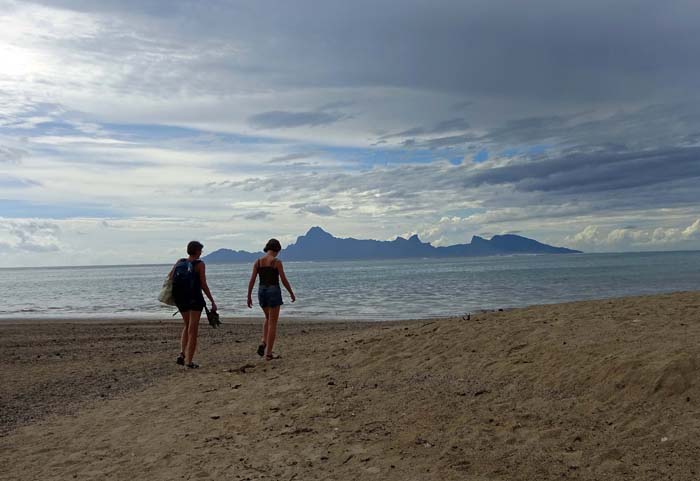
(590, 390)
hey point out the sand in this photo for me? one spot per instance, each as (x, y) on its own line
(599, 390)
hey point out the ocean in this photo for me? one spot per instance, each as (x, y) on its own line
(357, 290)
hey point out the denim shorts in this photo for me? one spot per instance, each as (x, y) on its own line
(270, 296)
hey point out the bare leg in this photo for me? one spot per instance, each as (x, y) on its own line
(184, 336)
(193, 330)
(272, 329)
(266, 324)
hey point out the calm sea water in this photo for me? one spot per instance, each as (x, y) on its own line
(378, 290)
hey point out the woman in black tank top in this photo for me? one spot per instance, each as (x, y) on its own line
(270, 271)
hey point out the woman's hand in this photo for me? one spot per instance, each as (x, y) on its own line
(213, 306)
(250, 302)
(294, 298)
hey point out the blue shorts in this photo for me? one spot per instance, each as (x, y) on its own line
(270, 296)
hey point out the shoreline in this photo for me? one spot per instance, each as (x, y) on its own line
(226, 320)
(584, 390)
(252, 319)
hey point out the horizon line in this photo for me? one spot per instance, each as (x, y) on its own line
(158, 264)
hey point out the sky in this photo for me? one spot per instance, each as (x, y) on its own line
(128, 128)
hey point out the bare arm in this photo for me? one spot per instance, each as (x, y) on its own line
(205, 286)
(284, 280)
(251, 284)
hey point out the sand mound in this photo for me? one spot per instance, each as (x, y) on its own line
(590, 390)
(677, 376)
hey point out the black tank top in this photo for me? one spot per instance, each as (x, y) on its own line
(268, 275)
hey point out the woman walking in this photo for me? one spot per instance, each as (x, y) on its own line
(270, 271)
(189, 280)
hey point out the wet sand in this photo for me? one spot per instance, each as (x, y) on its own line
(593, 390)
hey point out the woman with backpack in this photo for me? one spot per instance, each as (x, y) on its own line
(189, 280)
(271, 272)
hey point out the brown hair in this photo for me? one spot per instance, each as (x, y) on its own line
(273, 245)
(193, 247)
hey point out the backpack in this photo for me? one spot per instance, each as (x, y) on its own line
(185, 281)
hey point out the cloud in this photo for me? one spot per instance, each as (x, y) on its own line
(596, 237)
(11, 155)
(12, 182)
(590, 235)
(289, 157)
(279, 119)
(570, 185)
(470, 49)
(447, 141)
(316, 209)
(596, 171)
(645, 126)
(461, 105)
(31, 235)
(74, 139)
(225, 237)
(257, 215)
(449, 125)
(692, 231)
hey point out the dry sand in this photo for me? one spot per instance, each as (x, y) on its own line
(600, 390)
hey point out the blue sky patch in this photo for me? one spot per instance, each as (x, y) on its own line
(17, 209)
(481, 156)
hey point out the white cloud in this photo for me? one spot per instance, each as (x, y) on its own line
(590, 235)
(597, 238)
(35, 236)
(692, 231)
(74, 139)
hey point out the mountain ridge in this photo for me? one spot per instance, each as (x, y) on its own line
(319, 245)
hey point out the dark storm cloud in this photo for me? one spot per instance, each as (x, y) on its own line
(653, 125)
(644, 128)
(337, 105)
(463, 105)
(279, 119)
(545, 49)
(597, 172)
(451, 125)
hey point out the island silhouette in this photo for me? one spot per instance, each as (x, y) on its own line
(319, 245)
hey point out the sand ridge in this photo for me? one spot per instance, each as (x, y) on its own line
(588, 390)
